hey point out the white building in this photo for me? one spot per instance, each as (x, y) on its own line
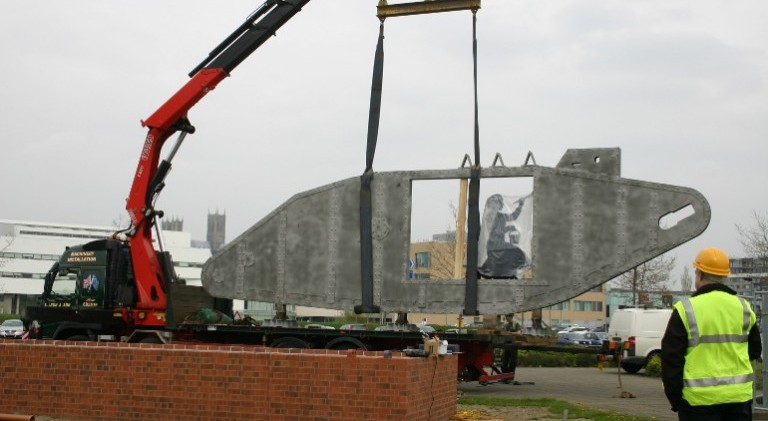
(29, 249)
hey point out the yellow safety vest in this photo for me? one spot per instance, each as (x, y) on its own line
(717, 368)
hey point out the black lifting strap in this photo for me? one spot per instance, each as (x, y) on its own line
(473, 201)
(366, 208)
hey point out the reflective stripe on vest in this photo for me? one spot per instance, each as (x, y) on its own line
(693, 327)
(719, 381)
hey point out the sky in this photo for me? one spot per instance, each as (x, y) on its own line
(681, 86)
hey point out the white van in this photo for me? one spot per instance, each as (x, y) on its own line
(642, 328)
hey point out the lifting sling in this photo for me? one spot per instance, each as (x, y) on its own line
(366, 180)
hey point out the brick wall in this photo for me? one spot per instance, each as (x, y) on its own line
(118, 381)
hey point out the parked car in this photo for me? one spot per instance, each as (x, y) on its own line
(12, 328)
(565, 338)
(589, 339)
(574, 328)
(353, 326)
(396, 327)
(318, 326)
(410, 327)
(426, 329)
(456, 330)
(581, 338)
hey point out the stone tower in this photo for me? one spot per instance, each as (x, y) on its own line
(216, 230)
(173, 224)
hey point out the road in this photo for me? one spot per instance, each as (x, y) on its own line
(585, 386)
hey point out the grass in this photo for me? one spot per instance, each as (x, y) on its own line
(556, 407)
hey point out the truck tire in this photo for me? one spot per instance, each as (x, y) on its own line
(631, 367)
(469, 373)
(346, 342)
(290, 342)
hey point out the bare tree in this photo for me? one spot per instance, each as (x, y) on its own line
(7, 242)
(686, 281)
(754, 238)
(651, 276)
(443, 260)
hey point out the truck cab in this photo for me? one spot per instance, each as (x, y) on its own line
(84, 292)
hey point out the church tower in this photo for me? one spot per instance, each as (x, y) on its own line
(216, 230)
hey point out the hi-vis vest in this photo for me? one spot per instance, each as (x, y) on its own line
(717, 368)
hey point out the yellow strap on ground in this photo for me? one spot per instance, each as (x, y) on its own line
(470, 414)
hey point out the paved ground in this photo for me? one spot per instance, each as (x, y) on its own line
(586, 386)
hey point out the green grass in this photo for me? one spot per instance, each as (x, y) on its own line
(556, 407)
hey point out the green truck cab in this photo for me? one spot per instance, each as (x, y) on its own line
(83, 293)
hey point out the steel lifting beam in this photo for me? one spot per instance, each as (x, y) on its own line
(385, 10)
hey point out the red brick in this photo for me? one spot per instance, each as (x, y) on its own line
(183, 381)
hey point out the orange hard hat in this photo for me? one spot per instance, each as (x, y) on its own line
(714, 261)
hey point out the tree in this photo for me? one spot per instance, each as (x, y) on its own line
(754, 238)
(651, 276)
(686, 281)
(7, 242)
(441, 256)
(4, 244)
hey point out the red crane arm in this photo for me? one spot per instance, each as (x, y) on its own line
(152, 280)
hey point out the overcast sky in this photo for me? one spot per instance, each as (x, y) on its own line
(680, 86)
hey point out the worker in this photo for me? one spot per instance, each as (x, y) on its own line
(707, 347)
(510, 324)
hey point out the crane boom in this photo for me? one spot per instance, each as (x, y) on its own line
(152, 275)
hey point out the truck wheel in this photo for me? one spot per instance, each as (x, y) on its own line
(346, 343)
(469, 373)
(290, 342)
(631, 368)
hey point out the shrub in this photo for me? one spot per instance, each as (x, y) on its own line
(653, 368)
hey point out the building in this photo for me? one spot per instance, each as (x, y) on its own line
(216, 235)
(748, 277)
(588, 310)
(172, 224)
(748, 274)
(29, 249)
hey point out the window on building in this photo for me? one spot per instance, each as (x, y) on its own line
(565, 305)
(422, 260)
(587, 305)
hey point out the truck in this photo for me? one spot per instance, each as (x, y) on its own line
(639, 332)
(124, 288)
